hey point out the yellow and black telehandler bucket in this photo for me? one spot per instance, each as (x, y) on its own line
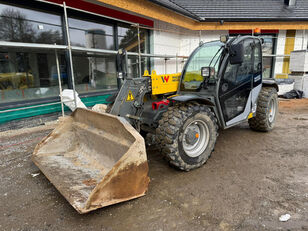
(94, 160)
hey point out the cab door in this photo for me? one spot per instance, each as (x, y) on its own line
(235, 87)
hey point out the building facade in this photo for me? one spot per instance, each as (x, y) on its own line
(34, 33)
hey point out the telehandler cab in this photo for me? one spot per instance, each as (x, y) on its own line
(97, 159)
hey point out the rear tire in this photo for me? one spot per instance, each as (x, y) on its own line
(267, 110)
(187, 135)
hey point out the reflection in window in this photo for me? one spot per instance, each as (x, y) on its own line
(32, 74)
(245, 69)
(94, 72)
(91, 35)
(29, 75)
(229, 77)
(128, 38)
(257, 59)
(235, 105)
(24, 25)
(133, 66)
(268, 49)
(236, 74)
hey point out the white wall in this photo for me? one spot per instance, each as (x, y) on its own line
(300, 43)
(301, 38)
(165, 43)
(174, 40)
(281, 40)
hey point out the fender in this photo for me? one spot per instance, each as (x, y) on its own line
(270, 83)
(191, 97)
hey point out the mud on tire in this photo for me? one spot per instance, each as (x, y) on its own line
(263, 121)
(170, 133)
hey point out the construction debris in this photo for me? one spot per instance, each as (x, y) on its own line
(284, 217)
(69, 101)
(35, 174)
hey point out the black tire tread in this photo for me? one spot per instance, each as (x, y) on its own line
(259, 122)
(168, 132)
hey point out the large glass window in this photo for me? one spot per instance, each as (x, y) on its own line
(93, 72)
(91, 34)
(128, 38)
(133, 66)
(268, 49)
(29, 75)
(24, 25)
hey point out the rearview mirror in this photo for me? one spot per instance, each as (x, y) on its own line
(236, 53)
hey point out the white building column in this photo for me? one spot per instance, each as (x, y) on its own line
(280, 47)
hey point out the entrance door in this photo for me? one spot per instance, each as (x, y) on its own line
(235, 87)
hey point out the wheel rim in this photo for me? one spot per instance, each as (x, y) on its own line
(196, 138)
(272, 111)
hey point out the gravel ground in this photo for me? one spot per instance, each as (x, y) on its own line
(249, 182)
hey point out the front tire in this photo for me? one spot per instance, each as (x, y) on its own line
(267, 110)
(187, 135)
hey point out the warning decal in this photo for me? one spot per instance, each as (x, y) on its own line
(130, 96)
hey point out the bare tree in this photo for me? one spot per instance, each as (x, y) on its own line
(49, 36)
(130, 37)
(15, 27)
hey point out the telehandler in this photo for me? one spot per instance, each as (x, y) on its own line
(98, 159)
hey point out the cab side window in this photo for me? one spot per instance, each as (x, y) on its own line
(245, 69)
(236, 74)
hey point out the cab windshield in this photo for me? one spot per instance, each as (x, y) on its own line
(204, 56)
